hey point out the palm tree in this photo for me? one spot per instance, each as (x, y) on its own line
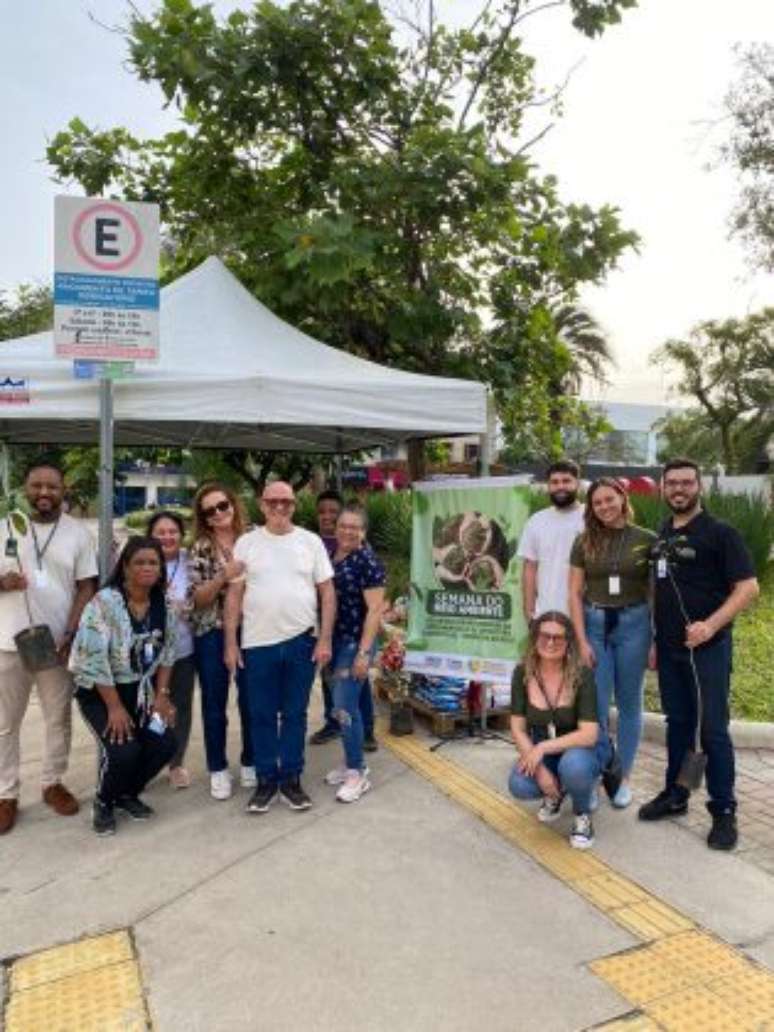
(589, 348)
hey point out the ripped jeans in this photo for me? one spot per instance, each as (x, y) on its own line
(346, 701)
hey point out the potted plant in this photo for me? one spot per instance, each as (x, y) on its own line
(396, 682)
(35, 644)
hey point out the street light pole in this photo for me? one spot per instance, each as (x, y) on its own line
(105, 476)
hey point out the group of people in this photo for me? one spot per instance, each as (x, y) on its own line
(265, 607)
(262, 608)
(604, 599)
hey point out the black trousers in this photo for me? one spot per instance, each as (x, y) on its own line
(125, 769)
(181, 689)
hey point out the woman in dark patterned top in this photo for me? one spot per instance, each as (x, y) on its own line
(554, 725)
(219, 521)
(359, 580)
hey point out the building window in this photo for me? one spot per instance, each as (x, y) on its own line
(471, 452)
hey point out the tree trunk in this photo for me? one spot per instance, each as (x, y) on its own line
(417, 467)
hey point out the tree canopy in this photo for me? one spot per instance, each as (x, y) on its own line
(750, 149)
(365, 174)
(727, 369)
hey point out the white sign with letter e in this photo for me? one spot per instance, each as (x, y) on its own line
(106, 285)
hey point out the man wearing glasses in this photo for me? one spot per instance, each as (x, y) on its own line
(288, 580)
(703, 578)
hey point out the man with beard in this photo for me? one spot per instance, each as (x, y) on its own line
(56, 568)
(546, 542)
(703, 578)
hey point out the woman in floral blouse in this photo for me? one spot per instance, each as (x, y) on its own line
(121, 662)
(219, 521)
(359, 579)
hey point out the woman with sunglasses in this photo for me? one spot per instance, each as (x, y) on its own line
(219, 521)
(554, 726)
(168, 529)
(121, 663)
(609, 605)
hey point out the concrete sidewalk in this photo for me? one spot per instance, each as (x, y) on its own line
(401, 911)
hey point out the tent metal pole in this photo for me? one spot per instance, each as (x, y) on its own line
(105, 476)
(5, 469)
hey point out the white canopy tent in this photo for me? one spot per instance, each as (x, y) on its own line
(232, 374)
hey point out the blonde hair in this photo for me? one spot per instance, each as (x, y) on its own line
(571, 662)
(596, 537)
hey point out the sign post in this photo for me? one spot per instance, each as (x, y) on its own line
(106, 309)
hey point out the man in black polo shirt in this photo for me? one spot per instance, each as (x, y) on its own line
(702, 580)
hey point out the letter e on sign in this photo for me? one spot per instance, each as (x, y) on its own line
(107, 237)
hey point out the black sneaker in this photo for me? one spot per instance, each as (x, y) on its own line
(612, 775)
(293, 794)
(325, 734)
(668, 803)
(103, 820)
(370, 744)
(135, 807)
(723, 834)
(264, 795)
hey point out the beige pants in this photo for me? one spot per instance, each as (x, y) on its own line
(55, 694)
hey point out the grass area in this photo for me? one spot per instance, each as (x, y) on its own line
(752, 696)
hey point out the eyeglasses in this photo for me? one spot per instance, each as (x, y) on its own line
(279, 503)
(223, 506)
(552, 639)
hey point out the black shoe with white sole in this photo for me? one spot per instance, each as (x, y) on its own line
(264, 795)
(293, 794)
(134, 807)
(103, 820)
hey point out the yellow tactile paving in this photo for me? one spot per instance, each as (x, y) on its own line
(70, 959)
(102, 1000)
(683, 979)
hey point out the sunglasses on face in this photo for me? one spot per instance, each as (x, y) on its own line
(222, 506)
(552, 639)
(279, 503)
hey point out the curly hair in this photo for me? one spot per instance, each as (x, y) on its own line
(596, 537)
(201, 525)
(571, 661)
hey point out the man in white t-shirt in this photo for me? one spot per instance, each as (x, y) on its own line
(546, 542)
(55, 565)
(288, 580)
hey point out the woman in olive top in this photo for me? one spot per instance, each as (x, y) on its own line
(609, 605)
(554, 725)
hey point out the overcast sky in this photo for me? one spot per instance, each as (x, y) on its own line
(641, 123)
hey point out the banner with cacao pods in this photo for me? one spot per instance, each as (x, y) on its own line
(465, 616)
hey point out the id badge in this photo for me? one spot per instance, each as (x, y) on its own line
(552, 730)
(12, 548)
(614, 584)
(661, 568)
(147, 652)
(41, 579)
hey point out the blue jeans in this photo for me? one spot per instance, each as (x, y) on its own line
(213, 682)
(621, 640)
(678, 701)
(279, 681)
(576, 769)
(366, 704)
(348, 695)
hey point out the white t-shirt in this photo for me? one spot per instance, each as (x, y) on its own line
(68, 557)
(547, 539)
(282, 574)
(177, 592)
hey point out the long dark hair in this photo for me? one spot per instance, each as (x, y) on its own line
(135, 544)
(596, 537)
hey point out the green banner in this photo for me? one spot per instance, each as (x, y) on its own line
(465, 617)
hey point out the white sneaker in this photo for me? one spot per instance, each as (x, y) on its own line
(356, 784)
(220, 784)
(247, 778)
(338, 775)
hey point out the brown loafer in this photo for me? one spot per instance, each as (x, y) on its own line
(60, 800)
(8, 810)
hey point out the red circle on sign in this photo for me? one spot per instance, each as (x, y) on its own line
(133, 225)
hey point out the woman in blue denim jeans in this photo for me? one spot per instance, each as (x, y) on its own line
(610, 609)
(554, 726)
(359, 579)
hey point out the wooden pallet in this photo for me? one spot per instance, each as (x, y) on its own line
(444, 724)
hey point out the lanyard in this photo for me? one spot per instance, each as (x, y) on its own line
(40, 552)
(551, 709)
